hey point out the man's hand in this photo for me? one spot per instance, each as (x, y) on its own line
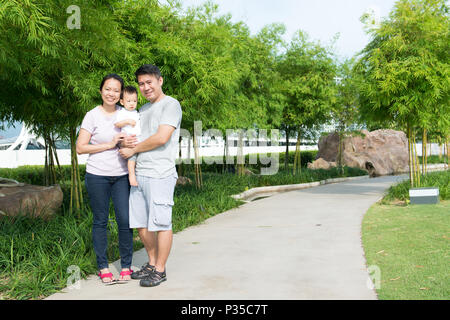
(129, 141)
(127, 153)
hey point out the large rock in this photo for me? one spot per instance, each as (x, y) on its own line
(381, 152)
(30, 200)
(321, 164)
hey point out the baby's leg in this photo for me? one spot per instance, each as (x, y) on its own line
(131, 173)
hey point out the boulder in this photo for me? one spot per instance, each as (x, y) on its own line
(381, 152)
(182, 181)
(30, 200)
(321, 164)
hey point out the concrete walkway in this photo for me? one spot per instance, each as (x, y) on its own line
(297, 245)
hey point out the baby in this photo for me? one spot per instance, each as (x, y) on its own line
(128, 120)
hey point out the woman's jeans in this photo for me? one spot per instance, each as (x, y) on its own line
(100, 190)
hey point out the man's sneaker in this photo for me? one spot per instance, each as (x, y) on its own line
(146, 270)
(154, 279)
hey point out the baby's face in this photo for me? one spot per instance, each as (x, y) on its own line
(129, 101)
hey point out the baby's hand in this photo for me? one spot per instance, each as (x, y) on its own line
(132, 123)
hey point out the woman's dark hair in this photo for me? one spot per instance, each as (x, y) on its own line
(149, 69)
(129, 90)
(112, 76)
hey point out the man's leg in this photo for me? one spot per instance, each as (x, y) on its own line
(150, 243)
(139, 220)
(165, 239)
(160, 220)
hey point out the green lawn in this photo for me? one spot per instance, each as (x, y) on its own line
(410, 244)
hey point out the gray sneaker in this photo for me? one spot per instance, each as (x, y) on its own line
(154, 279)
(146, 270)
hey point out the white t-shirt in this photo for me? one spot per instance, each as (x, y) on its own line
(124, 114)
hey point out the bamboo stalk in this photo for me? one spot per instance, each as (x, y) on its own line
(297, 163)
(424, 152)
(416, 159)
(286, 158)
(198, 179)
(447, 144)
(46, 163)
(80, 189)
(240, 154)
(72, 171)
(411, 175)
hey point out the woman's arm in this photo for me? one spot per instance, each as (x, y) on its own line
(83, 146)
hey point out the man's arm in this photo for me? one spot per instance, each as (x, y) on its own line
(157, 140)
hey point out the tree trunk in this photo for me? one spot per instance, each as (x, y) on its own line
(76, 194)
(240, 159)
(410, 150)
(446, 147)
(50, 153)
(340, 152)
(424, 152)
(416, 162)
(198, 169)
(189, 157)
(297, 158)
(286, 158)
(180, 155)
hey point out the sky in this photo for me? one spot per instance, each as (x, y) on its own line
(321, 19)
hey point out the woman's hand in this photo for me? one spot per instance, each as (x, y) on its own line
(83, 146)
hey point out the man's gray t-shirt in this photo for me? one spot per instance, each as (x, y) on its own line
(160, 162)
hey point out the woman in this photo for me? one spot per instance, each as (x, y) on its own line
(107, 177)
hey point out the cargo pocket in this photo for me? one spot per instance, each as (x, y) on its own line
(163, 212)
(162, 198)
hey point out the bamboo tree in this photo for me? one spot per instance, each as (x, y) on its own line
(53, 71)
(405, 71)
(307, 71)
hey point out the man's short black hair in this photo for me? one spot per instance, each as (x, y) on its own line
(149, 69)
(129, 90)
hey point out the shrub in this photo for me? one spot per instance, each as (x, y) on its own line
(439, 179)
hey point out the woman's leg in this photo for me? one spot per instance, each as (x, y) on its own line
(120, 195)
(99, 192)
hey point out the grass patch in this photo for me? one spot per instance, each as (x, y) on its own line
(410, 244)
(434, 159)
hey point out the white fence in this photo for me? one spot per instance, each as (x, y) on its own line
(17, 158)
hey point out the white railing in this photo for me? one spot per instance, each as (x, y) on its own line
(17, 158)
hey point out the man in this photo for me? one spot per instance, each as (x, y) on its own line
(152, 200)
